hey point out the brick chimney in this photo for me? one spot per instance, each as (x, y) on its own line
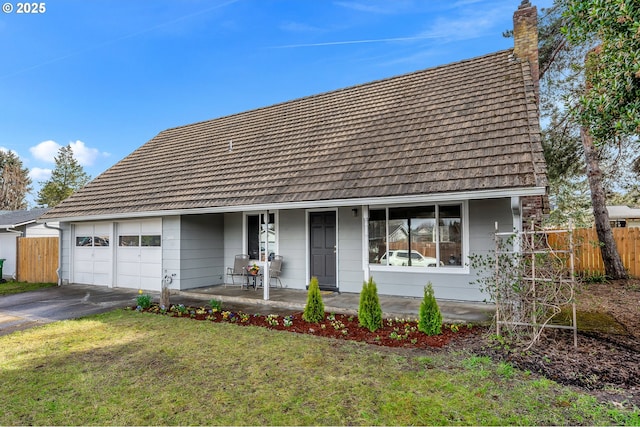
(525, 36)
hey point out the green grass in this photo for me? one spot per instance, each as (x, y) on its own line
(131, 368)
(9, 288)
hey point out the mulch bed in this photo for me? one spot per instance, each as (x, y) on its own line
(394, 332)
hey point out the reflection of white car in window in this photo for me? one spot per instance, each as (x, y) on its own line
(401, 257)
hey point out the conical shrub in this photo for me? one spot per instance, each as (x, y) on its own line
(314, 310)
(430, 321)
(369, 311)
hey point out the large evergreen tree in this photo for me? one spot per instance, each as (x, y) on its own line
(570, 99)
(15, 183)
(67, 177)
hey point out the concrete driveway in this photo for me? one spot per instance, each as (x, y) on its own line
(28, 309)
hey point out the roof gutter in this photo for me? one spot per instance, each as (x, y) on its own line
(313, 204)
(59, 250)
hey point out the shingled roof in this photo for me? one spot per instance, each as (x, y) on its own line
(467, 126)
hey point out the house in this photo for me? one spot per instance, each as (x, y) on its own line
(14, 224)
(624, 216)
(442, 153)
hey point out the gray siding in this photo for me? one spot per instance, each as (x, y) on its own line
(350, 271)
(201, 250)
(232, 239)
(292, 246)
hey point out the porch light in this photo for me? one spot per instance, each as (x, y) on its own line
(354, 211)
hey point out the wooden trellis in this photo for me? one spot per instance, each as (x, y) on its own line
(535, 281)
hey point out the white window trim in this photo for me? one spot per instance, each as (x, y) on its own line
(245, 232)
(463, 269)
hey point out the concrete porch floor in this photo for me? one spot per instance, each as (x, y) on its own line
(286, 301)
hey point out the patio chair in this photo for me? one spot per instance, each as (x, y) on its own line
(239, 269)
(275, 268)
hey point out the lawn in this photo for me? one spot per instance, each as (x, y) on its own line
(9, 288)
(131, 368)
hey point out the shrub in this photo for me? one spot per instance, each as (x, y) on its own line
(215, 304)
(314, 309)
(369, 311)
(143, 301)
(430, 321)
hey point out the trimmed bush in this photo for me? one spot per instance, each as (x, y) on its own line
(369, 311)
(314, 309)
(430, 321)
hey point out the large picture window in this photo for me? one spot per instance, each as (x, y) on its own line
(259, 232)
(419, 236)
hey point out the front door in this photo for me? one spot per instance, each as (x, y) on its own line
(322, 242)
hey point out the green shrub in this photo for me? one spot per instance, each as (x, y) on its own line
(369, 311)
(143, 301)
(430, 321)
(314, 309)
(215, 304)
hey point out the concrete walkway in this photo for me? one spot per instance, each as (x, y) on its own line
(291, 300)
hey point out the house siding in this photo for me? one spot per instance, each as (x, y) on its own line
(232, 239)
(292, 247)
(350, 272)
(201, 250)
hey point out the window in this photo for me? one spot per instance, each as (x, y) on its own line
(420, 236)
(259, 234)
(92, 240)
(136, 240)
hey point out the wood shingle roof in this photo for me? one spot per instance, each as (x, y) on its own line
(471, 125)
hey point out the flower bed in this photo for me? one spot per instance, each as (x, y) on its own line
(394, 333)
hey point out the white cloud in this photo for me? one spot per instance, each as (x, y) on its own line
(46, 151)
(83, 154)
(39, 174)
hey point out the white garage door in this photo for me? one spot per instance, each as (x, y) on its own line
(92, 254)
(139, 255)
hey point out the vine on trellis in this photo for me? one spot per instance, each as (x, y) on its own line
(530, 281)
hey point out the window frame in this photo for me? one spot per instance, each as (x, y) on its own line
(245, 234)
(440, 269)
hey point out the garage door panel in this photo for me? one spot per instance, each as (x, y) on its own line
(92, 263)
(139, 266)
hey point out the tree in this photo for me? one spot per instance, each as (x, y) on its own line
(67, 177)
(15, 183)
(570, 29)
(611, 106)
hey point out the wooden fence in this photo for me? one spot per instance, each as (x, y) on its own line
(588, 259)
(37, 259)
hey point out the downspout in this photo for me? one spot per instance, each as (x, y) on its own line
(59, 250)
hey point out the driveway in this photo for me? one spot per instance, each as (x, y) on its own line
(29, 309)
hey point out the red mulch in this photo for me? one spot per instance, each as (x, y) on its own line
(394, 333)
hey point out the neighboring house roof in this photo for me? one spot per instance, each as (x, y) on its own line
(468, 126)
(12, 219)
(623, 212)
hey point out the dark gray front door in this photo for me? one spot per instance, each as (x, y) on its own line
(323, 248)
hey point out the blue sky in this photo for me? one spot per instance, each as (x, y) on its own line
(107, 75)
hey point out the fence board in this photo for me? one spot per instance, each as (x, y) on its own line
(37, 259)
(587, 249)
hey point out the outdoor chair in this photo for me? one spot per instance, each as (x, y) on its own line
(239, 269)
(275, 268)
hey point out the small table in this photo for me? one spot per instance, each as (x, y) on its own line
(252, 279)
